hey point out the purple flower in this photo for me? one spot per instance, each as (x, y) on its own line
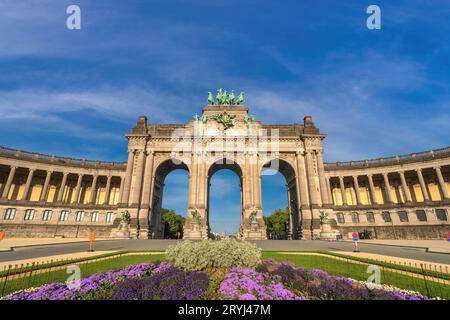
(318, 284)
(169, 283)
(252, 285)
(90, 285)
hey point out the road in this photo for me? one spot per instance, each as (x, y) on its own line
(274, 245)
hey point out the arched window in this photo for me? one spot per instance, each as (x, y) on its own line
(64, 216)
(79, 216)
(340, 217)
(47, 215)
(109, 216)
(421, 215)
(441, 214)
(9, 214)
(370, 217)
(29, 214)
(94, 216)
(386, 215)
(355, 217)
(403, 216)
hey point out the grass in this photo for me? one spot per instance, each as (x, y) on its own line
(408, 268)
(61, 275)
(359, 272)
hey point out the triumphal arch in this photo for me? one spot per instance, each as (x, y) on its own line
(225, 136)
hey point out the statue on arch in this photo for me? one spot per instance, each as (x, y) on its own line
(224, 97)
(240, 98)
(219, 96)
(231, 98)
(210, 98)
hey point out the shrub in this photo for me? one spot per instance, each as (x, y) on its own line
(168, 284)
(212, 255)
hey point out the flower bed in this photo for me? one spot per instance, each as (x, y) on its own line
(247, 284)
(318, 284)
(271, 280)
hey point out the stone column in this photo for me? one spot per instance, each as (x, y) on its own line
(372, 190)
(256, 183)
(406, 194)
(136, 196)
(387, 188)
(45, 187)
(62, 188)
(322, 179)
(128, 176)
(148, 180)
(202, 182)
(8, 184)
(356, 187)
(423, 186)
(303, 200)
(107, 190)
(313, 193)
(28, 185)
(246, 180)
(192, 196)
(330, 195)
(78, 189)
(93, 190)
(121, 187)
(442, 185)
(343, 193)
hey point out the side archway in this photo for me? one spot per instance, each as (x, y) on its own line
(274, 166)
(156, 223)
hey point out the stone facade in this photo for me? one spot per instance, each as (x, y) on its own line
(45, 196)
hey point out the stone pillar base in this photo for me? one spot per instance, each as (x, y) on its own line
(255, 230)
(121, 232)
(327, 233)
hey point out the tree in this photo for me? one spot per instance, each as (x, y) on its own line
(173, 224)
(276, 224)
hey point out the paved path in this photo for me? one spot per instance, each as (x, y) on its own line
(437, 246)
(8, 243)
(273, 245)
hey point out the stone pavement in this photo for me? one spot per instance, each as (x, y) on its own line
(438, 246)
(396, 260)
(9, 243)
(54, 258)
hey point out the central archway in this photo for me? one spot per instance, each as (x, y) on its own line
(219, 165)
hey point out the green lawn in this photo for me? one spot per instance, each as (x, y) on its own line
(359, 272)
(87, 269)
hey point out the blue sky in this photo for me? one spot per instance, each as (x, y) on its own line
(75, 93)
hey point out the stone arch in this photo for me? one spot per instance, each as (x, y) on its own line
(218, 164)
(162, 169)
(287, 169)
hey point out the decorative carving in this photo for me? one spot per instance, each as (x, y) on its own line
(253, 218)
(196, 217)
(227, 120)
